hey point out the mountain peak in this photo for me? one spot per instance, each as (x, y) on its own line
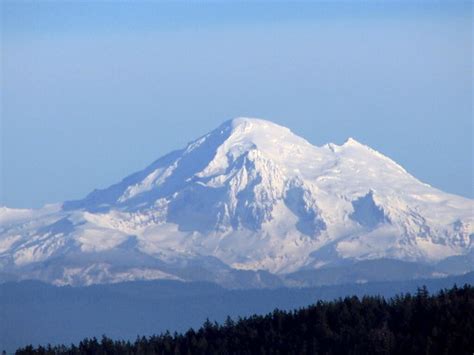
(253, 129)
(352, 142)
(242, 134)
(250, 123)
(248, 195)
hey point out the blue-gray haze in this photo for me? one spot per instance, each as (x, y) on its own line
(92, 91)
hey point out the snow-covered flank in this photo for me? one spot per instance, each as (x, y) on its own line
(250, 195)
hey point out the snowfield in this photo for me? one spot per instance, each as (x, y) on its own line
(245, 206)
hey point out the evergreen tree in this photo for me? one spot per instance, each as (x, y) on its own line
(406, 324)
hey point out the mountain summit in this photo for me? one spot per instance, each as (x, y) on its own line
(248, 204)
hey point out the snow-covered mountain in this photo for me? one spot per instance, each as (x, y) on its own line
(249, 204)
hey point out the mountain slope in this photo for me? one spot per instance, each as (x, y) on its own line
(241, 206)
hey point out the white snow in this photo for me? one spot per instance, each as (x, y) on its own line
(249, 195)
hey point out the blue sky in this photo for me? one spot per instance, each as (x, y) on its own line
(93, 91)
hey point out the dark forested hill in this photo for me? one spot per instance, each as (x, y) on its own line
(407, 324)
(37, 313)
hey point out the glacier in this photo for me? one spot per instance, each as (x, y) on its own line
(249, 204)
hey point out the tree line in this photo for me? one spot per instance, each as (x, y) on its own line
(406, 324)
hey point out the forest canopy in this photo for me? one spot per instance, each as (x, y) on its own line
(406, 324)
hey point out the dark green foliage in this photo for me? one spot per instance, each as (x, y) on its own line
(406, 324)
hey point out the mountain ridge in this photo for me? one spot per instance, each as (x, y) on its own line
(248, 199)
